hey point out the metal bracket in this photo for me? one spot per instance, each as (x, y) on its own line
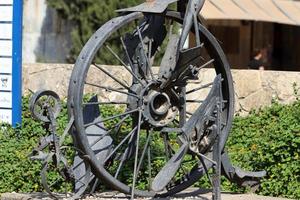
(239, 176)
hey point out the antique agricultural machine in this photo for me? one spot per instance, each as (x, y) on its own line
(161, 133)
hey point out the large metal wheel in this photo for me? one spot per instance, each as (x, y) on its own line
(145, 144)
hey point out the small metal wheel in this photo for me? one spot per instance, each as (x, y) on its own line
(58, 175)
(41, 102)
(144, 109)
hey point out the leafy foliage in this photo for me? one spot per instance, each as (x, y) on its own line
(267, 139)
(87, 16)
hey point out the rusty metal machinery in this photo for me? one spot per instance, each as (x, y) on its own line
(173, 105)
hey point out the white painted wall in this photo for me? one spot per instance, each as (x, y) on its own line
(6, 17)
(46, 37)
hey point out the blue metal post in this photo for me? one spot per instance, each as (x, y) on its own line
(17, 63)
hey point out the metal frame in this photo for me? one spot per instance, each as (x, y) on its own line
(151, 104)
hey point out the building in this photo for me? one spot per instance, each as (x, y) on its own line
(241, 26)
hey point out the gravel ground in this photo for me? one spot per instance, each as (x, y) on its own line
(189, 195)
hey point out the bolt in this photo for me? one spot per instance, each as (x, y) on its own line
(145, 100)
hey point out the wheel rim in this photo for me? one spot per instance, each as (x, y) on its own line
(77, 88)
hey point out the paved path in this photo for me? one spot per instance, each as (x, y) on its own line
(199, 195)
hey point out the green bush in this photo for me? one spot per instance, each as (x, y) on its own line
(266, 139)
(18, 173)
(269, 139)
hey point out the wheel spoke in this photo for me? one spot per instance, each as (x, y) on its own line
(121, 163)
(189, 113)
(206, 170)
(144, 151)
(127, 54)
(81, 181)
(59, 179)
(111, 76)
(195, 19)
(107, 88)
(136, 154)
(130, 61)
(113, 128)
(120, 144)
(124, 156)
(206, 64)
(149, 53)
(149, 165)
(42, 111)
(111, 118)
(182, 111)
(168, 150)
(123, 63)
(200, 88)
(105, 103)
(194, 101)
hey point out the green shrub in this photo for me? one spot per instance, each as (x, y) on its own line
(266, 139)
(18, 173)
(269, 139)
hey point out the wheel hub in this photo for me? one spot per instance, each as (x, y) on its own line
(158, 107)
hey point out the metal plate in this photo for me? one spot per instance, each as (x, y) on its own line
(154, 6)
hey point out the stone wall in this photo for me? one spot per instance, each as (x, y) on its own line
(253, 88)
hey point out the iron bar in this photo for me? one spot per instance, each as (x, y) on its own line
(149, 53)
(127, 54)
(66, 131)
(144, 151)
(136, 154)
(105, 103)
(107, 88)
(206, 64)
(194, 101)
(111, 76)
(124, 64)
(121, 164)
(124, 155)
(200, 88)
(195, 19)
(149, 165)
(182, 111)
(110, 118)
(120, 144)
(189, 113)
(118, 124)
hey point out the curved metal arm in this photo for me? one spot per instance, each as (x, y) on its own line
(193, 8)
(239, 176)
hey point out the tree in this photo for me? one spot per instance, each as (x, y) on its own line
(87, 16)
